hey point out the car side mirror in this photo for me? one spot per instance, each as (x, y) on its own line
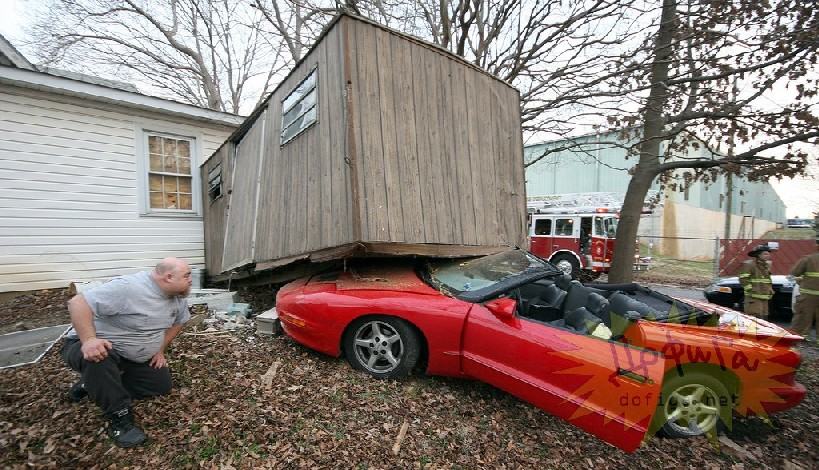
(503, 308)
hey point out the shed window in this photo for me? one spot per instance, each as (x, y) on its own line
(299, 109)
(170, 180)
(215, 182)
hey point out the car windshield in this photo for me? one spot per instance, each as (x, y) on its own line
(467, 275)
(605, 226)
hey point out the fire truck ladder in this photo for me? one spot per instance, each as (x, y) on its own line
(581, 202)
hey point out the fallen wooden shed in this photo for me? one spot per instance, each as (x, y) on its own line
(375, 143)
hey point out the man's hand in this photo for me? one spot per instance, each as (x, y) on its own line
(95, 349)
(158, 361)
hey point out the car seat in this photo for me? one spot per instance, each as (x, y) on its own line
(582, 320)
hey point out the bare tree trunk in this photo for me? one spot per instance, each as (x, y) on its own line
(648, 167)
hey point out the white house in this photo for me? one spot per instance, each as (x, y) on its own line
(96, 179)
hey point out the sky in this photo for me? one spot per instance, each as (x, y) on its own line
(800, 195)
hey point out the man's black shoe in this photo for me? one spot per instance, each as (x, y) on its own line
(77, 392)
(123, 431)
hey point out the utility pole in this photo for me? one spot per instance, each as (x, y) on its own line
(729, 178)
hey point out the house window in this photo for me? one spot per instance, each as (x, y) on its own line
(299, 109)
(170, 178)
(215, 182)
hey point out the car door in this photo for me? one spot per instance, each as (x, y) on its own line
(604, 387)
(541, 236)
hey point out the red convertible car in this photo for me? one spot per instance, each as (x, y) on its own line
(620, 361)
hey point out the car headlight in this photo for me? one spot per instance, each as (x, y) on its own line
(716, 288)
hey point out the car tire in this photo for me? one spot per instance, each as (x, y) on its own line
(567, 264)
(693, 404)
(383, 347)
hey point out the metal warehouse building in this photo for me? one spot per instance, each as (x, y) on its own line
(685, 223)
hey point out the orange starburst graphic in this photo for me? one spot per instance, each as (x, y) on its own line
(690, 370)
(615, 380)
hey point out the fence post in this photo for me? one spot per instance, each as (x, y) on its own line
(716, 258)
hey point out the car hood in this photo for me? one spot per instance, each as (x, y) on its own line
(384, 278)
(740, 324)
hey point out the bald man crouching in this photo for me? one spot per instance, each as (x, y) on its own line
(121, 330)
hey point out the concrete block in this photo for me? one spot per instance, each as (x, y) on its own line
(268, 323)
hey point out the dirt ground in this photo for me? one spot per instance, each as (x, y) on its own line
(315, 411)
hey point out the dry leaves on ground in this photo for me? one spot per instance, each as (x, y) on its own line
(242, 401)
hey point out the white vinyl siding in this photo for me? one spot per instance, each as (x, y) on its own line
(70, 192)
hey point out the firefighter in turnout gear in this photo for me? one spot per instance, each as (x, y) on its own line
(806, 310)
(755, 278)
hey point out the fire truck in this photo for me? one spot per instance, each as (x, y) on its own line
(575, 232)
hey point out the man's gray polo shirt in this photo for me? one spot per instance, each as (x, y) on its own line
(133, 313)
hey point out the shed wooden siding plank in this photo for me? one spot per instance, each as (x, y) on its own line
(317, 158)
(423, 143)
(499, 167)
(323, 226)
(486, 164)
(392, 177)
(371, 155)
(352, 137)
(440, 149)
(512, 148)
(519, 185)
(406, 147)
(311, 173)
(475, 153)
(294, 200)
(277, 212)
(429, 117)
(240, 226)
(446, 145)
(215, 212)
(267, 235)
(338, 225)
(502, 163)
(460, 154)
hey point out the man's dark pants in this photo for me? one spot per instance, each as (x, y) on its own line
(113, 382)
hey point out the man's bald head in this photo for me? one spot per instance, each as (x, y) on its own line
(169, 265)
(173, 276)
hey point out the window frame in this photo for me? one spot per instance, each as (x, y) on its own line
(212, 176)
(549, 223)
(315, 87)
(143, 171)
(573, 223)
